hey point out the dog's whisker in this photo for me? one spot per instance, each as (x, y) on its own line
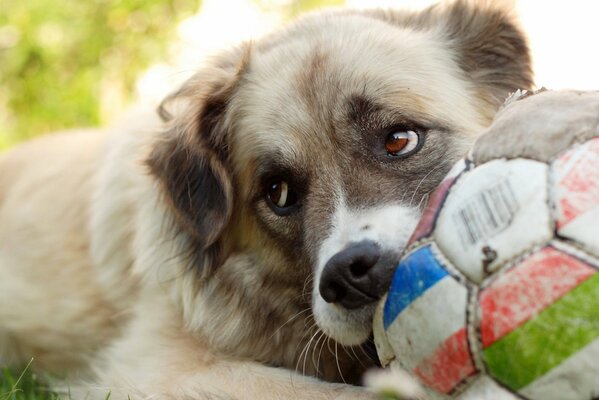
(308, 350)
(311, 326)
(338, 366)
(403, 196)
(422, 181)
(295, 316)
(358, 358)
(353, 351)
(299, 343)
(361, 359)
(307, 282)
(368, 357)
(305, 350)
(329, 346)
(424, 199)
(353, 356)
(301, 296)
(325, 337)
(324, 340)
(315, 361)
(308, 331)
(299, 359)
(347, 352)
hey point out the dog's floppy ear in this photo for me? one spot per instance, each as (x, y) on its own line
(492, 49)
(489, 44)
(190, 159)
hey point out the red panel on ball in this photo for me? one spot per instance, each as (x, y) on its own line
(450, 364)
(578, 182)
(528, 288)
(427, 221)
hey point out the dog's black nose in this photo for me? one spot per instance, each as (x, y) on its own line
(356, 276)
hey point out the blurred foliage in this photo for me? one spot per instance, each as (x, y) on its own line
(63, 62)
(72, 63)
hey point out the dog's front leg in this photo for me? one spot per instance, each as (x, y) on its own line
(156, 358)
(248, 380)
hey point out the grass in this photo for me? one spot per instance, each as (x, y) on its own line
(23, 385)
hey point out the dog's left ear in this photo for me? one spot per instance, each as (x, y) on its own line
(190, 159)
(490, 46)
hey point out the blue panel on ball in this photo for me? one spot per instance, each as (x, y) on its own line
(414, 276)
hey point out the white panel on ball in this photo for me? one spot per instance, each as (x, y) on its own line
(575, 176)
(494, 213)
(486, 388)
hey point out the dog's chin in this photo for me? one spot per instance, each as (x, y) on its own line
(347, 327)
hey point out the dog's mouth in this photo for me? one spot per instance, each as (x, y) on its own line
(347, 327)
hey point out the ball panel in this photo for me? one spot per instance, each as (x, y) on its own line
(544, 342)
(576, 176)
(449, 365)
(472, 227)
(429, 217)
(425, 321)
(416, 334)
(574, 379)
(526, 289)
(584, 231)
(413, 277)
(384, 350)
(485, 388)
(540, 126)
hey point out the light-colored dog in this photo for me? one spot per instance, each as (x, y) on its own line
(250, 233)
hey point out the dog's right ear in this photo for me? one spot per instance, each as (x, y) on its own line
(490, 46)
(190, 159)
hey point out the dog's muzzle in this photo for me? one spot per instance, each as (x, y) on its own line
(357, 276)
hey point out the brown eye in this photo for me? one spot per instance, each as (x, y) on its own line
(281, 197)
(402, 143)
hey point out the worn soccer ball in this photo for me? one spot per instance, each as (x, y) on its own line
(497, 295)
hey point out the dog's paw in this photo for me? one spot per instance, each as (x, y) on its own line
(393, 384)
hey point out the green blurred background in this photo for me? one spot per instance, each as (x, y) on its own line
(71, 63)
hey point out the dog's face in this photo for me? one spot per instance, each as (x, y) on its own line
(303, 161)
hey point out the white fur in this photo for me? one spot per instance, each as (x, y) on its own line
(390, 227)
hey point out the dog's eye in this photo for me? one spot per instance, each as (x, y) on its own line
(402, 143)
(281, 197)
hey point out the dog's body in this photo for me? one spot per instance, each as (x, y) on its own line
(207, 256)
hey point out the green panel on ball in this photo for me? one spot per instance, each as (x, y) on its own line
(558, 332)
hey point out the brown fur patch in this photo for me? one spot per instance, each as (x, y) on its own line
(190, 163)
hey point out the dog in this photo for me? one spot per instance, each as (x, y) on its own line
(235, 248)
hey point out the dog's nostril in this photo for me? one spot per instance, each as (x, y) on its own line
(332, 292)
(359, 268)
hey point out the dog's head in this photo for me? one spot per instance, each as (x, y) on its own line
(304, 160)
